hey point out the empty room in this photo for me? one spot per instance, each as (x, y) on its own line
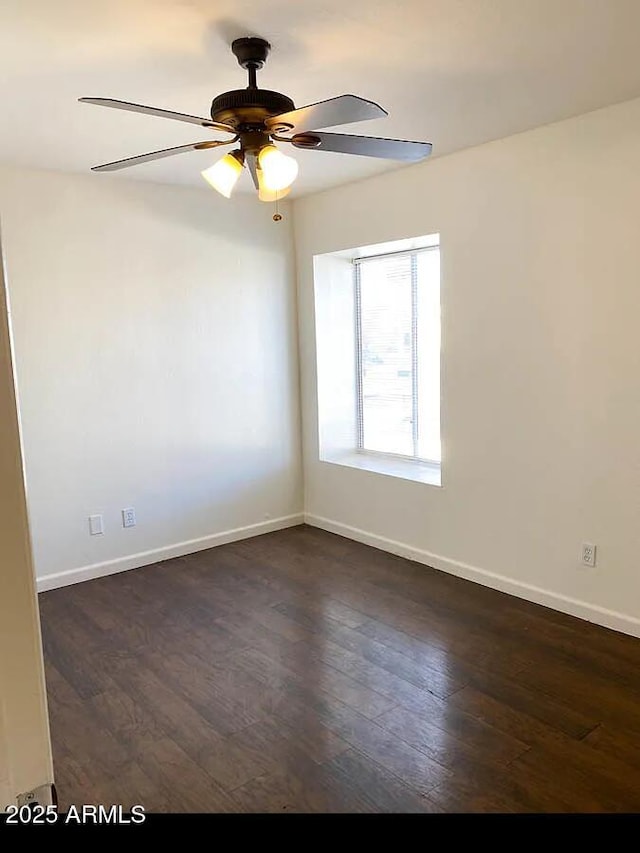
(319, 408)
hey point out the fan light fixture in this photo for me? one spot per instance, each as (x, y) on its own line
(278, 170)
(223, 175)
(275, 172)
(270, 195)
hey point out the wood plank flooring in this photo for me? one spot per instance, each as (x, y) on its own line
(303, 672)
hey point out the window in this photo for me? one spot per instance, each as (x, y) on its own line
(397, 319)
(377, 324)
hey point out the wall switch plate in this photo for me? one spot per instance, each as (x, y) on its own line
(129, 517)
(96, 525)
(588, 554)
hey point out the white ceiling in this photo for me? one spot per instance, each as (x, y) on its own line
(454, 72)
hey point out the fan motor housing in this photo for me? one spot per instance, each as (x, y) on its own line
(249, 107)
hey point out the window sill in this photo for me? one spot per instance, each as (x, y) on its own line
(392, 466)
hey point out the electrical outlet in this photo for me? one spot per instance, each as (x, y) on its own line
(588, 554)
(129, 517)
(96, 525)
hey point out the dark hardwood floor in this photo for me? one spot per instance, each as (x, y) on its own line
(303, 672)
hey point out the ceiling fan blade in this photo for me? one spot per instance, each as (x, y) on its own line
(252, 165)
(158, 155)
(154, 111)
(341, 110)
(367, 146)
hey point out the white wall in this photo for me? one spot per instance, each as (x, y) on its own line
(25, 751)
(541, 363)
(156, 358)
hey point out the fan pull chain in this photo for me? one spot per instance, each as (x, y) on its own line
(277, 216)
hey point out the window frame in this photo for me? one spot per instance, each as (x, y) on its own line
(359, 367)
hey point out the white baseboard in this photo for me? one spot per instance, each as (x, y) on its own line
(180, 549)
(565, 604)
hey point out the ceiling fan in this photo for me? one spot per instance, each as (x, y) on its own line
(257, 118)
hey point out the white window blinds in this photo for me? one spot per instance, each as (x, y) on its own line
(397, 310)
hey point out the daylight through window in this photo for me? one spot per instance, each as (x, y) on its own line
(397, 317)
